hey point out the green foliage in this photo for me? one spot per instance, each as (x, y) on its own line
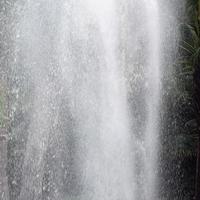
(191, 32)
(184, 142)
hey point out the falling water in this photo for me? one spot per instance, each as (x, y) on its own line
(152, 99)
(92, 69)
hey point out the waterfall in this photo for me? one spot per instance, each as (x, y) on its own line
(94, 78)
(152, 96)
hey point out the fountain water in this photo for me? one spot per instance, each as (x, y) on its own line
(84, 62)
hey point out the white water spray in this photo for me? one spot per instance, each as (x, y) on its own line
(81, 144)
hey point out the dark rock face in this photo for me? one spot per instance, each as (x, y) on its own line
(197, 104)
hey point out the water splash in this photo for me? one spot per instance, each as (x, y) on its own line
(90, 66)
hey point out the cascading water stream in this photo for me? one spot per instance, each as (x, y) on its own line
(81, 144)
(114, 127)
(153, 78)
